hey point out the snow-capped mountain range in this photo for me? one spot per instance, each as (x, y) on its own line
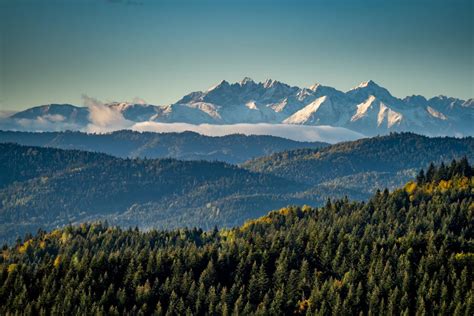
(368, 109)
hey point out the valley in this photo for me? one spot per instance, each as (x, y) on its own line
(48, 188)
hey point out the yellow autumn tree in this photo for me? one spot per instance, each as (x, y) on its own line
(57, 261)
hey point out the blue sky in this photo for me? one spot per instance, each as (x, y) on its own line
(56, 51)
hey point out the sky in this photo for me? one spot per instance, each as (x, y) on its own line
(55, 51)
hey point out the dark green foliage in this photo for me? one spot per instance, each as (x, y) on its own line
(185, 146)
(443, 172)
(45, 187)
(385, 154)
(395, 254)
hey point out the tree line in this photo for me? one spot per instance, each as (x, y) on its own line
(406, 252)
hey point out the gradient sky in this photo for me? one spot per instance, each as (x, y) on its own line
(116, 50)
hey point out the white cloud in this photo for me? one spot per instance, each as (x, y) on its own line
(54, 117)
(296, 132)
(138, 100)
(39, 124)
(104, 118)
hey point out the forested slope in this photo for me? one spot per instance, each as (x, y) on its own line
(185, 146)
(406, 252)
(45, 187)
(366, 164)
(48, 188)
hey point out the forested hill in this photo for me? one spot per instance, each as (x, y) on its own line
(21, 163)
(408, 252)
(185, 146)
(45, 187)
(364, 162)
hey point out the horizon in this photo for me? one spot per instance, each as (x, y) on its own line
(236, 157)
(56, 51)
(137, 100)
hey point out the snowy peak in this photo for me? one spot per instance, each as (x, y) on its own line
(246, 80)
(368, 108)
(53, 112)
(220, 85)
(270, 83)
(318, 112)
(375, 113)
(367, 84)
(368, 88)
(314, 87)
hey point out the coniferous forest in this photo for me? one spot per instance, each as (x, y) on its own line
(48, 188)
(143, 171)
(406, 252)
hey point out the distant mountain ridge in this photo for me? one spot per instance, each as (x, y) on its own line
(185, 146)
(48, 187)
(368, 108)
(380, 155)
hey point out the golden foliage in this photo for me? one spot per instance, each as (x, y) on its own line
(64, 237)
(337, 284)
(410, 187)
(303, 306)
(54, 234)
(457, 183)
(23, 248)
(261, 220)
(57, 261)
(12, 267)
(444, 185)
(464, 258)
(227, 234)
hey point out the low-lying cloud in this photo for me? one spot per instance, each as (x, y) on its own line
(46, 123)
(104, 119)
(296, 132)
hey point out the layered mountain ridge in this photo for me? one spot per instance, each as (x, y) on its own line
(368, 109)
(234, 149)
(49, 187)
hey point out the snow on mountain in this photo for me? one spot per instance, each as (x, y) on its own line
(368, 108)
(436, 114)
(244, 101)
(135, 112)
(468, 103)
(369, 88)
(318, 112)
(195, 113)
(54, 112)
(388, 116)
(373, 114)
